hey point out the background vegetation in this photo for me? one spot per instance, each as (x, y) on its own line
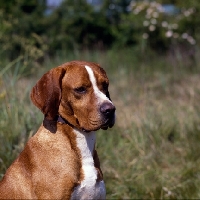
(152, 60)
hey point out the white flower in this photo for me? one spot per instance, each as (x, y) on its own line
(141, 7)
(153, 21)
(136, 11)
(155, 14)
(174, 26)
(145, 23)
(152, 28)
(160, 8)
(153, 4)
(184, 35)
(164, 24)
(187, 13)
(149, 11)
(191, 40)
(169, 34)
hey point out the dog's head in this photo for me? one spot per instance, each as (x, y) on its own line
(78, 92)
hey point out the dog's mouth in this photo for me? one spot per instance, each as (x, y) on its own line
(108, 123)
(105, 124)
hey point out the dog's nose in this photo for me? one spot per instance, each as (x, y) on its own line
(107, 109)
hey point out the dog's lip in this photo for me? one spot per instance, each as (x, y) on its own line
(106, 124)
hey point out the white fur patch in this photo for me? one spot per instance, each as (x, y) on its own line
(100, 95)
(89, 188)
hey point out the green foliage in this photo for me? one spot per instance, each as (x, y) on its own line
(19, 34)
(162, 30)
(17, 116)
(27, 30)
(78, 26)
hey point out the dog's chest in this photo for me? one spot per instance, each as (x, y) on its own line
(89, 188)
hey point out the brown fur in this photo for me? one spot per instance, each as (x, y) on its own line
(49, 167)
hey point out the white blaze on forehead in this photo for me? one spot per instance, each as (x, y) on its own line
(100, 95)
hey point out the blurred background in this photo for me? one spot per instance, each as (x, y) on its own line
(39, 28)
(150, 50)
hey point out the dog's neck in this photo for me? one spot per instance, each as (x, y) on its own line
(64, 121)
(61, 120)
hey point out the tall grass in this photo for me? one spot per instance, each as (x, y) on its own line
(17, 116)
(153, 150)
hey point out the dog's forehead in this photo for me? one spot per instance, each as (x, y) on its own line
(77, 74)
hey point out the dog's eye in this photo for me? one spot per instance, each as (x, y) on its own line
(80, 90)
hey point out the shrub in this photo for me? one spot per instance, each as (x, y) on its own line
(163, 30)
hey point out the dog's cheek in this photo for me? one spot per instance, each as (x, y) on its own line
(83, 119)
(65, 109)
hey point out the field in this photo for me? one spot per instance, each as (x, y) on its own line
(153, 151)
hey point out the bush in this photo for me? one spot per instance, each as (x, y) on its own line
(20, 34)
(26, 28)
(163, 30)
(78, 26)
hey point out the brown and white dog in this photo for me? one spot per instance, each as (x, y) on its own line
(60, 160)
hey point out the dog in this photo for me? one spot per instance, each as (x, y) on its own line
(60, 160)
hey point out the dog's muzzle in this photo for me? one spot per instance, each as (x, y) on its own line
(108, 112)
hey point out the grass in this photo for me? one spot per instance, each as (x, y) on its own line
(153, 150)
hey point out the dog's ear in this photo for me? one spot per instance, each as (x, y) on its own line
(46, 94)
